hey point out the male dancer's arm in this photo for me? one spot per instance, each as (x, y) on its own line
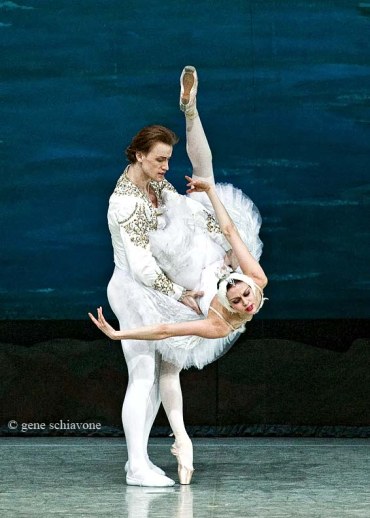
(129, 215)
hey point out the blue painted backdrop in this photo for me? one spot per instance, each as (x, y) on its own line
(285, 101)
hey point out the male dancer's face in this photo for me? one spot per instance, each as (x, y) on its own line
(155, 163)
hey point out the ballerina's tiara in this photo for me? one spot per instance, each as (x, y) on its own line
(223, 273)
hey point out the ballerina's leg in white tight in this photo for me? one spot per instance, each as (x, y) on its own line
(197, 145)
(169, 382)
(171, 395)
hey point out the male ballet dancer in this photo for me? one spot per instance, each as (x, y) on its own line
(134, 209)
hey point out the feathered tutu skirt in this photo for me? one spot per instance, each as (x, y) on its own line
(191, 256)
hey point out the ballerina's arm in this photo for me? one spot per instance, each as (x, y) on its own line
(248, 264)
(206, 328)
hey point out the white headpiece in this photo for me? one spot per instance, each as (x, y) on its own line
(229, 278)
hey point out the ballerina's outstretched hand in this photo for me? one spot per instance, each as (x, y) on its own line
(103, 325)
(196, 185)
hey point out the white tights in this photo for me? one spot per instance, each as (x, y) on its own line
(198, 150)
(150, 378)
(141, 401)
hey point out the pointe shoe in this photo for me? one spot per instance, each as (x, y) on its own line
(148, 478)
(189, 88)
(184, 455)
(151, 466)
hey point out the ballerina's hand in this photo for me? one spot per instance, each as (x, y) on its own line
(196, 185)
(103, 325)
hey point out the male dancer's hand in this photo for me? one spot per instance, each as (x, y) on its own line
(189, 300)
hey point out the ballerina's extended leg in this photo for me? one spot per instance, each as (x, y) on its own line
(197, 145)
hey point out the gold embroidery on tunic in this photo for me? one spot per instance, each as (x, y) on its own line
(125, 187)
(165, 185)
(212, 225)
(144, 217)
(138, 226)
(163, 284)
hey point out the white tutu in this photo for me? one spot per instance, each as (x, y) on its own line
(185, 251)
(242, 211)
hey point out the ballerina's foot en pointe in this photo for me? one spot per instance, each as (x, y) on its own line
(188, 93)
(184, 454)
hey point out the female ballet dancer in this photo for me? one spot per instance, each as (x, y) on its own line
(237, 296)
(181, 248)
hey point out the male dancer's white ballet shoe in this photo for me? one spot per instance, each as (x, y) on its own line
(148, 478)
(151, 466)
(184, 454)
(188, 93)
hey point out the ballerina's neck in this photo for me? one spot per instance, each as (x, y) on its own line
(233, 319)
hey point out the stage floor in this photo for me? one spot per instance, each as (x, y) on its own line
(245, 477)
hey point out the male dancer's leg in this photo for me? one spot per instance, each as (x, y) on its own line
(140, 360)
(142, 397)
(141, 365)
(154, 401)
